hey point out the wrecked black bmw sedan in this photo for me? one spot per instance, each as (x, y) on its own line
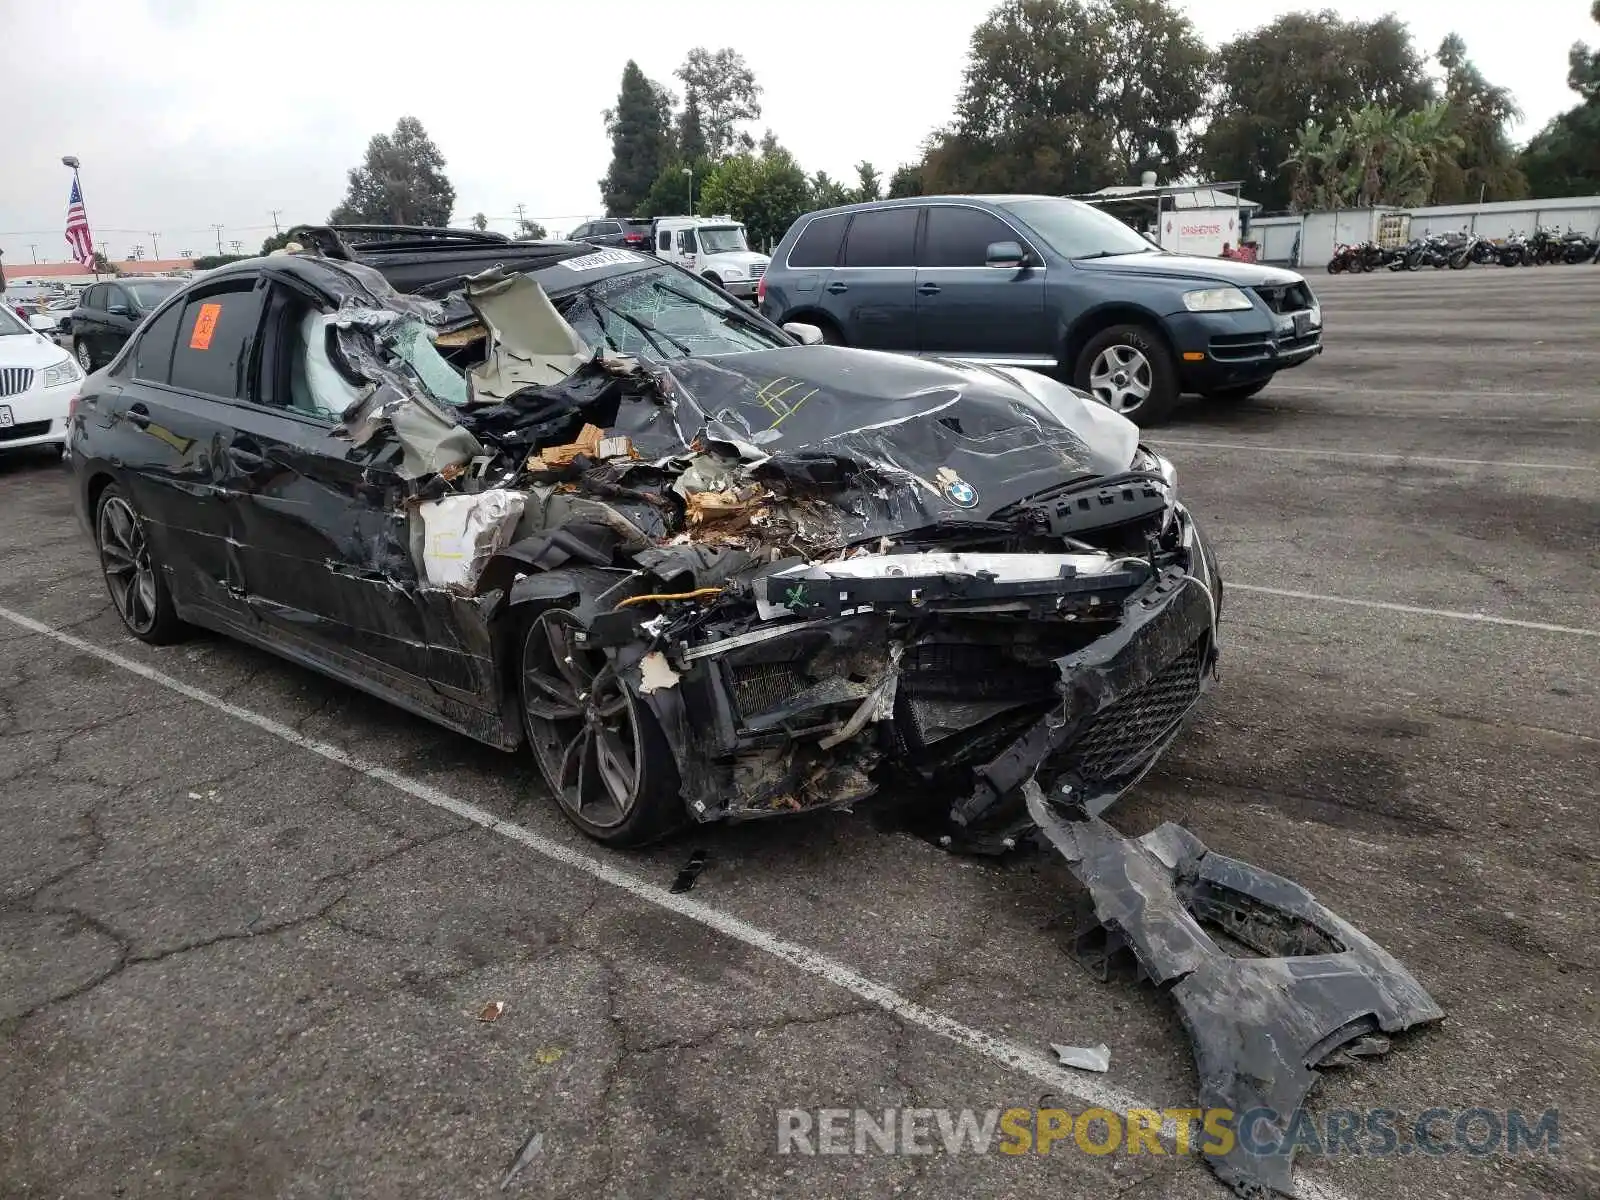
(582, 500)
(707, 569)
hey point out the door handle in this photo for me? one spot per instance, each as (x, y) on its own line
(139, 415)
(836, 288)
(927, 289)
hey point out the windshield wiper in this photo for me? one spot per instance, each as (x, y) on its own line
(727, 314)
(644, 327)
(1109, 254)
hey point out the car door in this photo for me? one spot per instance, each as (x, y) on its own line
(88, 322)
(121, 319)
(966, 309)
(687, 249)
(166, 422)
(871, 294)
(323, 528)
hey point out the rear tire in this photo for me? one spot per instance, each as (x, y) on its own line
(85, 356)
(1239, 391)
(1121, 362)
(134, 577)
(598, 746)
(830, 332)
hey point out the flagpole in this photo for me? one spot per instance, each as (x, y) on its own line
(70, 160)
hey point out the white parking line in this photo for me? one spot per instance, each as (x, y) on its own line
(1318, 452)
(998, 1049)
(1389, 606)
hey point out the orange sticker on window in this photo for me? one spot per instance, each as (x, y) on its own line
(204, 326)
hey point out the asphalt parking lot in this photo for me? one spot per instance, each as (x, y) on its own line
(249, 919)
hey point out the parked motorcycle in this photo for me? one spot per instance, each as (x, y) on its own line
(1578, 248)
(1513, 252)
(1343, 259)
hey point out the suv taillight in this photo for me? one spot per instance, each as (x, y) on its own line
(761, 291)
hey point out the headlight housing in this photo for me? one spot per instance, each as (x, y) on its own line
(65, 371)
(733, 273)
(1217, 299)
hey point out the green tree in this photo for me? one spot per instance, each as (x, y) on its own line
(766, 193)
(906, 181)
(640, 127)
(480, 222)
(400, 182)
(1478, 113)
(827, 192)
(1302, 67)
(869, 184)
(276, 241)
(720, 91)
(1563, 159)
(102, 264)
(530, 231)
(1375, 155)
(669, 194)
(1156, 71)
(1026, 117)
(210, 262)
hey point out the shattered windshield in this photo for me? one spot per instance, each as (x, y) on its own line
(663, 314)
(722, 239)
(411, 342)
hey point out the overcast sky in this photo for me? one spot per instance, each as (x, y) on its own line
(186, 114)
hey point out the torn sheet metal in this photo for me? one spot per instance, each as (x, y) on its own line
(1261, 1026)
(530, 345)
(462, 533)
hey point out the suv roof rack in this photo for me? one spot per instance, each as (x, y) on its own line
(329, 240)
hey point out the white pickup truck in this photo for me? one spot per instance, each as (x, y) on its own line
(712, 247)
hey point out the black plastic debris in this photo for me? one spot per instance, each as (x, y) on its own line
(691, 871)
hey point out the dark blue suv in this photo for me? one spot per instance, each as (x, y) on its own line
(1046, 283)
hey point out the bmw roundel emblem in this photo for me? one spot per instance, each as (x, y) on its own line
(961, 493)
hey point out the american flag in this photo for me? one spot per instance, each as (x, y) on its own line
(78, 228)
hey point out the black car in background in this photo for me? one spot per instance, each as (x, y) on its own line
(706, 568)
(626, 233)
(108, 313)
(1042, 282)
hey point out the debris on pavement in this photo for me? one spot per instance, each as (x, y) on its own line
(1085, 1058)
(1269, 983)
(492, 1010)
(531, 1150)
(690, 872)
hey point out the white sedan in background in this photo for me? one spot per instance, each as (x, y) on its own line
(38, 380)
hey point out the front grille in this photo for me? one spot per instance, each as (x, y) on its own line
(757, 271)
(15, 380)
(1285, 297)
(28, 429)
(1118, 735)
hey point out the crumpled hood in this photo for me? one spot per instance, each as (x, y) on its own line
(965, 440)
(1188, 266)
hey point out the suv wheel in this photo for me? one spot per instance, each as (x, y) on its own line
(84, 356)
(597, 745)
(1129, 369)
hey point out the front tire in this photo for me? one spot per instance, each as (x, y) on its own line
(134, 578)
(1239, 391)
(84, 355)
(598, 746)
(1129, 369)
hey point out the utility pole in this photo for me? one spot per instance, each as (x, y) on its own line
(522, 221)
(33, 249)
(237, 246)
(275, 228)
(218, 228)
(155, 247)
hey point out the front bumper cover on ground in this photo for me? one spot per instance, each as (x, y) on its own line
(1322, 994)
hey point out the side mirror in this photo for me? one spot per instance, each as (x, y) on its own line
(806, 335)
(1008, 255)
(119, 310)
